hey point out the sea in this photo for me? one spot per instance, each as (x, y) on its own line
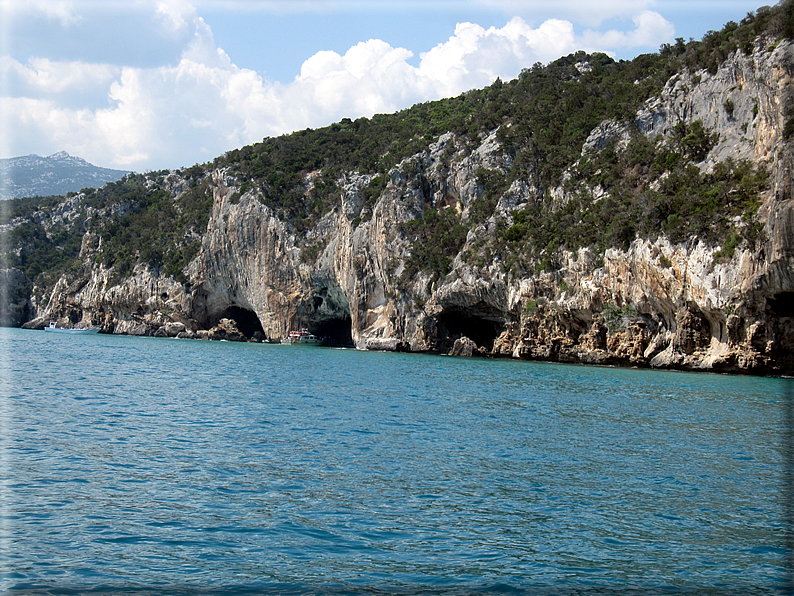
(143, 466)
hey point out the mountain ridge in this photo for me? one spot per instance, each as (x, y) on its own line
(57, 174)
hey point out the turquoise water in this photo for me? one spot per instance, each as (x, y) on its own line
(139, 465)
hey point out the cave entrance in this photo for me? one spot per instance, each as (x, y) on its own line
(780, 316)
(482, 329)
(781, 305)
(246, 320)
(337, 333)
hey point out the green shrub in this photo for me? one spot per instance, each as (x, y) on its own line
(617, 317)
(728, 249)
(694, 140)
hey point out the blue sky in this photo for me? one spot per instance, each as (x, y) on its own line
(152, 84)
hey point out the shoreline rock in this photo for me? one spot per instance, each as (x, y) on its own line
(654, 303)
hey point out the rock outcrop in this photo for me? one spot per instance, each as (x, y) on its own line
(463, 346)
(14, 301)
(656, 303)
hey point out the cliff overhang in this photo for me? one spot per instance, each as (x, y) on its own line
(469, 246)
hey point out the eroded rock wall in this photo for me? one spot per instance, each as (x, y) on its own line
(656, 304)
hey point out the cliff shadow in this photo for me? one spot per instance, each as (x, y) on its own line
(780, 317)
(482, 326)
(247, 321)
(336, 333)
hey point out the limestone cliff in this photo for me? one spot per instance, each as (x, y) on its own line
(656, 301)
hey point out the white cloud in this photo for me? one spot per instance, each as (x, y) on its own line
(194, 110)
(60, 10)
(175, 15)
(371, 77)
(474, 57)
(201, 48)
(652, 30)
(41, 75)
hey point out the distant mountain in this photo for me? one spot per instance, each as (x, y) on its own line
(58, 174)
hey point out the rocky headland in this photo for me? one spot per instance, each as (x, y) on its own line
(353, 276)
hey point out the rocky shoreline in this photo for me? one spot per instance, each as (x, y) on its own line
(658, 304)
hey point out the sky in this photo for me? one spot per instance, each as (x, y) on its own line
(145, 85)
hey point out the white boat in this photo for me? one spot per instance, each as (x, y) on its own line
(82, 331)
(301, 337)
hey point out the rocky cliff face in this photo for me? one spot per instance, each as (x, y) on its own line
(657, 303)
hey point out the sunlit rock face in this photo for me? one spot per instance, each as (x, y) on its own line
(656, 303)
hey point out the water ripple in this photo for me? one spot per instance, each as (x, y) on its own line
(141, 466)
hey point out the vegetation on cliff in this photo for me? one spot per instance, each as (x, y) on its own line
(646, 193)
(134, 220)
(543, 118)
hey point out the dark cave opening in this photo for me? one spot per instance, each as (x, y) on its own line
(337, 333)
(781, 305)
(246, 320)
(454, 324)
(780, 318)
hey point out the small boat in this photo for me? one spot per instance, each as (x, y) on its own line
(81, 331)
(301, 337)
